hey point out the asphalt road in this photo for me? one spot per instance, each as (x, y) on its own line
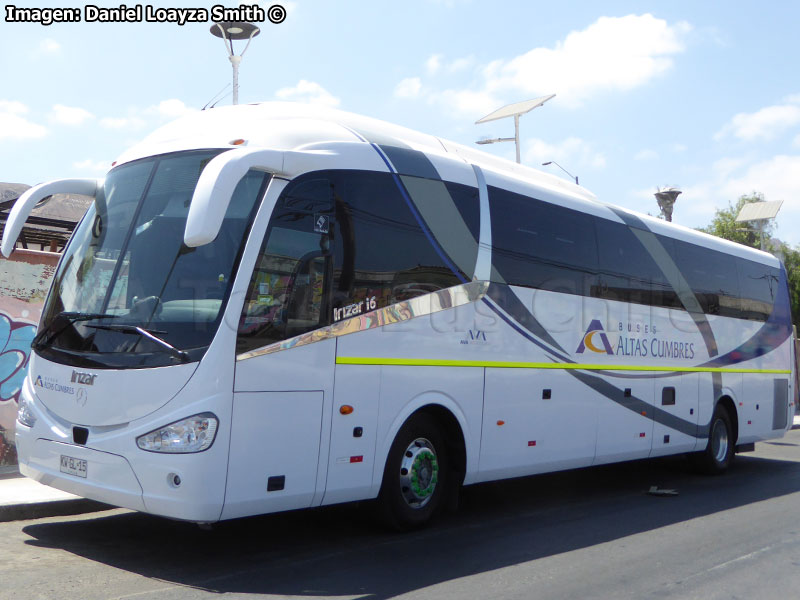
(593, 533)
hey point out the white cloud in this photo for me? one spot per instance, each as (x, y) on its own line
(14, 126)
(436, 64)
(792, 99)
(765, 124)
(775, 177)
(308, 92)
(410, 87)
(47, 46)
(170, 109)
(13, 107)
(465, 103)
(98, 166)
(730, 178)
(433, 64)
(69, 115)
(118, 123)
(138, 118)
(461, 64)
(646, 154)
(572, 153)
(613, 53)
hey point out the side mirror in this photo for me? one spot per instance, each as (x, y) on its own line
(24, 205)
(215, 187)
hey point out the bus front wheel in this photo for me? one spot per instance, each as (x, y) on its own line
(717, 456)
(416, 475)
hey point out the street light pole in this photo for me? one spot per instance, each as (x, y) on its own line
(552, 162)
(235, 30)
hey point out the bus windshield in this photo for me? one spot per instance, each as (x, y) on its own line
(128, 292)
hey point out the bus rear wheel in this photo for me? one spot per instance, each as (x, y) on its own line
(717, 456)
(416, 475)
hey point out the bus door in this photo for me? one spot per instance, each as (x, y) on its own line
(284, 368)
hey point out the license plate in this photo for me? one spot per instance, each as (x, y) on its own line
(73, 466)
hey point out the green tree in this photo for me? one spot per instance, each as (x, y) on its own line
(791, 260)
(724, 225)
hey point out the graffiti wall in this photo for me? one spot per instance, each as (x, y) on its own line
(24, 281)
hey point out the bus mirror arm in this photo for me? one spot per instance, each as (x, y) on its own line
(26, 203)
(216, 185)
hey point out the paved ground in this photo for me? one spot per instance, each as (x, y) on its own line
(593, 533)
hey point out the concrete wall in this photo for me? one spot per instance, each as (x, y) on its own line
(24, 282)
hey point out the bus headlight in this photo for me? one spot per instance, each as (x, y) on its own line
(25, 414)
(193, 434)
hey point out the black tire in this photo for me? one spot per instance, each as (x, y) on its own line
(719, 452)
(417, 475)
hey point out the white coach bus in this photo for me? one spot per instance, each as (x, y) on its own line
(271, 307)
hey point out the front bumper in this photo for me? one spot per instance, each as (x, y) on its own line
(109, 477)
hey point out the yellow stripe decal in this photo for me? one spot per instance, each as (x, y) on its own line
(429, 362)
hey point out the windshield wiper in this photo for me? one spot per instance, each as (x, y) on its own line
(134, 329)
(47, 335)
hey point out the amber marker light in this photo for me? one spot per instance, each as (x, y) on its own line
(345, 409)
(501, 423)
(239, 142)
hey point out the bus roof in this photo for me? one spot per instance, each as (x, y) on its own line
(293, 126)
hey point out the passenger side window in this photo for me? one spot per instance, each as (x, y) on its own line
(759, 286)
(382, 254)
(627, 272)
(542, 245)
(713, 278)
(287, 295)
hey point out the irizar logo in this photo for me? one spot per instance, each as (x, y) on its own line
(83, 378)
(594, 331)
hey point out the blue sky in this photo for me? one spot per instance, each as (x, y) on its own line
(700, 95)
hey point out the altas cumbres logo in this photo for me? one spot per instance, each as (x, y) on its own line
(595, 339)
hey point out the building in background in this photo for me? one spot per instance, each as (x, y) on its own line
(24, 282)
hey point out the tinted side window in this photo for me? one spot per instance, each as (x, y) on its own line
(287, 295)
(381, 252)
(541, 245)
(759, 285)
(627, 272)
(466, 200)
(443, 215)
(712, 276)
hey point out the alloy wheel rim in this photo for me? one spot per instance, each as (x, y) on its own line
(419, 473)
(719, 441)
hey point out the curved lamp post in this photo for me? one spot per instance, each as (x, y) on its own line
(552, 162)
(235, 30)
